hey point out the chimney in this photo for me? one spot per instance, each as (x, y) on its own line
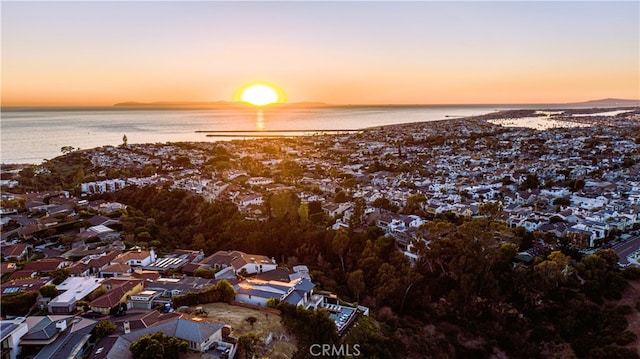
(61, 325)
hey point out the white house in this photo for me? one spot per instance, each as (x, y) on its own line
(259, 181)
(252, 199)
(102, 186)
(297, 292)
(12, 332)
(72, 290)
(136, 258)
(240, 261)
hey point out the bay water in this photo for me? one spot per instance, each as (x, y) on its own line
(33, 135)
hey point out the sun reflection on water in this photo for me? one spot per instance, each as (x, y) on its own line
(260, 121)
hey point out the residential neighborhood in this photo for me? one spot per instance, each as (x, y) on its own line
(574, 186)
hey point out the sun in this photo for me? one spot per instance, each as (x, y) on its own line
(260, 95)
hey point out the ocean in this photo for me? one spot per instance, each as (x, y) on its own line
(33, 135)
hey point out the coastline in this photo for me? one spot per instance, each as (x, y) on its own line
(174, 132)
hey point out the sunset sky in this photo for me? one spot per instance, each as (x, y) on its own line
(101, 53)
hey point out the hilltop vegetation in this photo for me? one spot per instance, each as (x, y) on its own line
(464, 297)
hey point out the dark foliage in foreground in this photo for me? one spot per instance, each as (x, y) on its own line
(463, 298)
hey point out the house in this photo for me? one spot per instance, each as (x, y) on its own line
(72, 290)
(101, 220)
(115, 270)
(337, 209)
(24, 285)
(16, 252)
(57, 337)
(144, 299)
(296, 292)
(259, 181)
(177, 286)
(559, 229)
(146, 275)
(11, 331)
(251, 263)
(93, 264)
(581, 237)
(251, 199)
(142, 319)
(23, 274)
(118, 289)
(164, 265)
(532, 223)
(201, 335)
(100, 231)
(136, 258)
(194, 256)
(43, 266)
(105, 186)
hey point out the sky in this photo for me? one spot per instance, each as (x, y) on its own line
(343, 52)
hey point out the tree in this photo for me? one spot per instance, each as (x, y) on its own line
(67, 149)
(226, 291)
(415, 203)
(492, 210)
(339, 244)
(561, 201)
(303, 213)
(384, 203)
(205, 273)
(60, 274)
(79, 177)
(49, 291)
(18, 303)
(283, 204)
(158, 346)
(148, 170)
(104, 328)
(355, 282)
(198, 242)
(341, 197)
(248, 345)
(552, 272)
(355, 221)
(531, 182)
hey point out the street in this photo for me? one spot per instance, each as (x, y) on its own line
(625, 248)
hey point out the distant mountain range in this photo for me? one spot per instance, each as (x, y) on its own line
(216, 104)
(608, 102)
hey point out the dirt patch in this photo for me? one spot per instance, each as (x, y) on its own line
(267, 326)
(237, 317)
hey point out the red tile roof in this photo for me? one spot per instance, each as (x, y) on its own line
(146, 275)
(114, 296)
(78, 268)
(20, 274)
(44, 265)
(132, 255)
(14, 250)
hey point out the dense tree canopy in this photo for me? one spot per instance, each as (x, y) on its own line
(463, 288)
(158, 346)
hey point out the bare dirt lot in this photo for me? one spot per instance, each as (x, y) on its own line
(282, 345)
